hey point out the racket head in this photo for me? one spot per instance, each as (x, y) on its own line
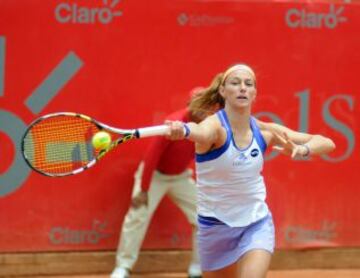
(59, 144)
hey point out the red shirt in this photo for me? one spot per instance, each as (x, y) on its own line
(167, 156)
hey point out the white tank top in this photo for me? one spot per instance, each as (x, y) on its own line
(230, 185)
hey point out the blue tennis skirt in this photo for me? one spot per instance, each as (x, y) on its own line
(221, 245)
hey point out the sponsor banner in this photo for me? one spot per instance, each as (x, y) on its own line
(129, 63)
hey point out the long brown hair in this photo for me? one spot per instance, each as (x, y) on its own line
(208, 99)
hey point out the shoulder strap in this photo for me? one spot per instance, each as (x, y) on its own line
(257, 134)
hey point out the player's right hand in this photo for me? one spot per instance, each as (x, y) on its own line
(141, 199)
(176, 131)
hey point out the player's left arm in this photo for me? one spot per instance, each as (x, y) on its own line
(295, 143)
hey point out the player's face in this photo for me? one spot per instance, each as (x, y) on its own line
(239, 89)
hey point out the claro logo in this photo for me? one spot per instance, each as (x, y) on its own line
(302, 18)
(72, 13)
(66, 235)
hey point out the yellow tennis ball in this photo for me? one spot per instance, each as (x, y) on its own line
(101, 140)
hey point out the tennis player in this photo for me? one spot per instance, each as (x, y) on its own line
(236, 230)
(164, 171)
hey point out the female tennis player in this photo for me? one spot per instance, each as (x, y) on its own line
(236, 230)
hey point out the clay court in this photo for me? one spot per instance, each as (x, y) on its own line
(323, 263)
(272, 274)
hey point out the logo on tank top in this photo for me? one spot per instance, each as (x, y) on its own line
(242, 159)
(254, 152)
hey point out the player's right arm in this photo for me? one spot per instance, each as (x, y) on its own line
(206, 134)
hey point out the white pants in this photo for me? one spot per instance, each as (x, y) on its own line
(180, 188)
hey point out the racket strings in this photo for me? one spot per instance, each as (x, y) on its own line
(60, 144)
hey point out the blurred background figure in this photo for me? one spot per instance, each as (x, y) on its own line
(163, 171)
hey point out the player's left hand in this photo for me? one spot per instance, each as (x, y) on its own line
(286, 146)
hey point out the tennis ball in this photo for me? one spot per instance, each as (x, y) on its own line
(101, 140)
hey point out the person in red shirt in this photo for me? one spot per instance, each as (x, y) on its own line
(163, 171)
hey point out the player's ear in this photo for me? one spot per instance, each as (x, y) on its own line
(221, 91)
(255, 94)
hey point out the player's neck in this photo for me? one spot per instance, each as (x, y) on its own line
(239, 119)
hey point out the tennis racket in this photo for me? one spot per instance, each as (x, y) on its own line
(60, 144)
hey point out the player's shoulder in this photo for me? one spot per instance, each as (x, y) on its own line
(269, 128)
(212, 120)
(266, 129)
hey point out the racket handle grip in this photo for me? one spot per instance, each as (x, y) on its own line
(152, 131)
